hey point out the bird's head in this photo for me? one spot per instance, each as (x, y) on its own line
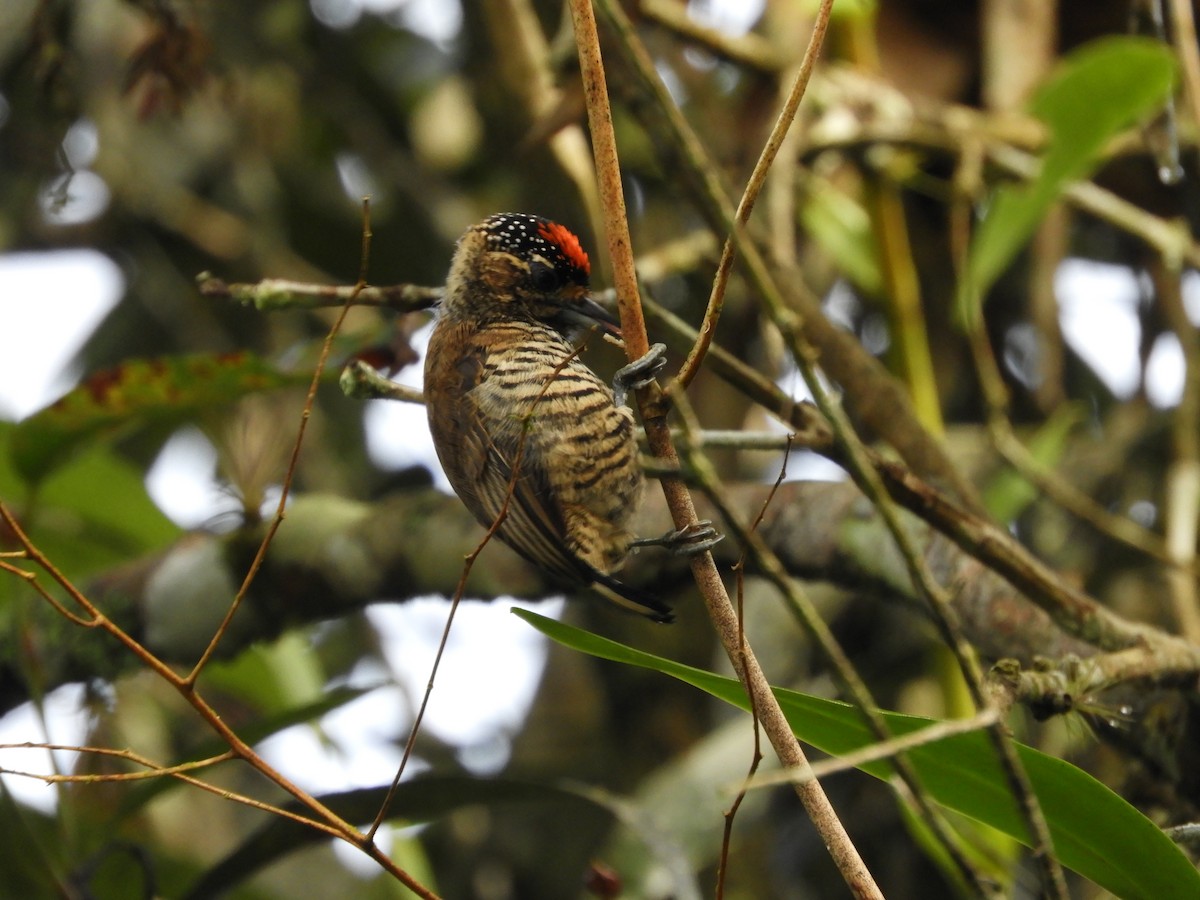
(517, 266)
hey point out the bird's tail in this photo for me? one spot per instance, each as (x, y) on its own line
(631, 598)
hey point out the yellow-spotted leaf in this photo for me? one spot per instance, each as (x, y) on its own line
(140, 392)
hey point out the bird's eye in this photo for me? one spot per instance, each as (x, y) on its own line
(543, 277)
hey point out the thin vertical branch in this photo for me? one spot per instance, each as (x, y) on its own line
(767, 563)
(286, 488)
(995, 394)
(756, 757)
(1181, 488)
(880, 401)
(754, 186)
(679, 500)
(944, 616)
(905, 312)
(858, 461)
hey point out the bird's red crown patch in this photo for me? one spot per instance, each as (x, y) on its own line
(562, 237)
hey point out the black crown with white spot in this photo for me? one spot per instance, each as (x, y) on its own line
(529, 236)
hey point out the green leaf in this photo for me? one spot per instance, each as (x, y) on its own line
(282, 675)
(168, 390)
(843, 229)
(1096, 833)
(1098, 91)
(90, 514)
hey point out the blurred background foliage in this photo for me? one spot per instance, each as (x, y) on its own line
(176, 137)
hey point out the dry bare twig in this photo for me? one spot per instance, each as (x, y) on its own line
(683, 512)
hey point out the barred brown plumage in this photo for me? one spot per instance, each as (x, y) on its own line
(521, 425)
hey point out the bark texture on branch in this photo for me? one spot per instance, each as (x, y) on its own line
(334, 555)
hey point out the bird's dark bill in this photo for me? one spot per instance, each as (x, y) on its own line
(586, 312)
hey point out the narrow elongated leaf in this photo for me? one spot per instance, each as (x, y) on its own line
(1098, 91)
(1096, 833)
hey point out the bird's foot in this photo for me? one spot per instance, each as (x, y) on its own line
(686, 541)
(639, 373)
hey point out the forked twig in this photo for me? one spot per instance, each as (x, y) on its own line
(333, 824)
(151, 769)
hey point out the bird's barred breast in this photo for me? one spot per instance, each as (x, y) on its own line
(535, 383)
(530, 438)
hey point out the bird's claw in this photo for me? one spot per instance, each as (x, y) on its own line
(639, 373)
(688, 541)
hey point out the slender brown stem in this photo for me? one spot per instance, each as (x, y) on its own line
(679, 500)
(333, 823)
(186, 686)
(767, 563)
(280, 293)
(286, 488)
(756, 758)
(754, 186)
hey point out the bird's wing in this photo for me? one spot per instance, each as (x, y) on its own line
(490, 448)
(533, 526)
(533, 523)
(486, 448)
